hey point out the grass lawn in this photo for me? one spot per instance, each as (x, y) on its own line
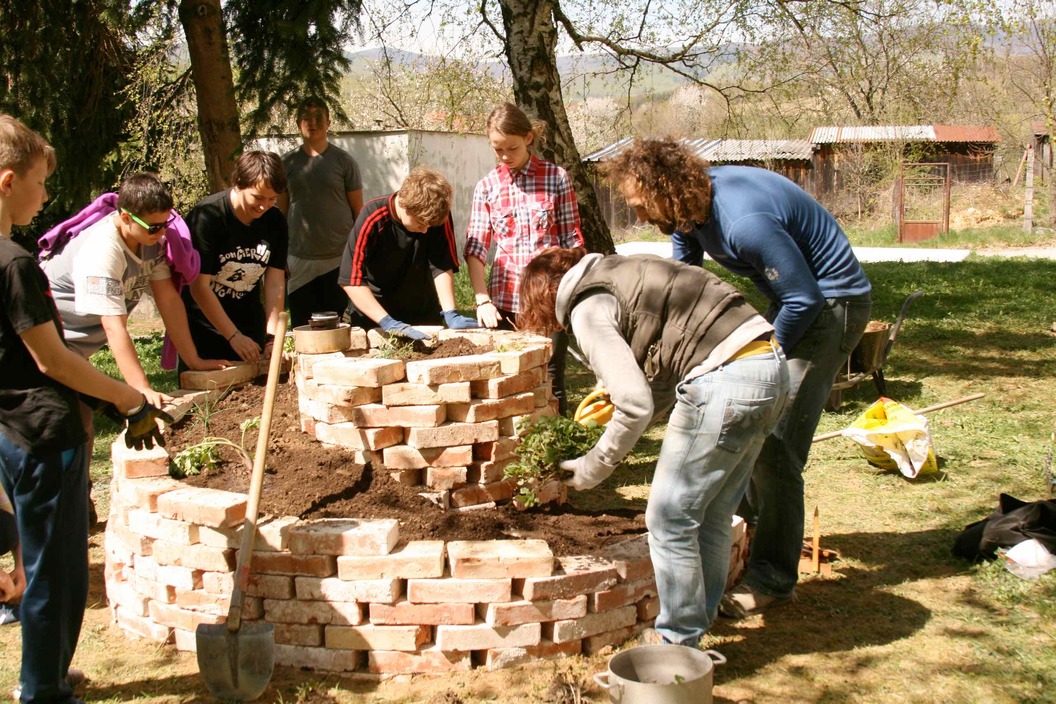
(900, 619)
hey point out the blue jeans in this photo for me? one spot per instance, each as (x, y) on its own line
(776, 493)
(715, 432)
(50, 497)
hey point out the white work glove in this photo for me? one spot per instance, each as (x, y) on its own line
(587, 472)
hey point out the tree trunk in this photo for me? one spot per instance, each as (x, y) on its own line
(214, 87)
(531, 40)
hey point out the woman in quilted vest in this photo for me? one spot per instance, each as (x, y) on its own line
(664, 337)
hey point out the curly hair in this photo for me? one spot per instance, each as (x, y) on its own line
(426, 195)
(539, 282)
(671, 180)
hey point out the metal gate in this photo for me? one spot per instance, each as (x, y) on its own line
(923, 208)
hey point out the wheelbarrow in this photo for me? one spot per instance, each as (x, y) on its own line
(868, 358)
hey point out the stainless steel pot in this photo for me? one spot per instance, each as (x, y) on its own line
(660, 674)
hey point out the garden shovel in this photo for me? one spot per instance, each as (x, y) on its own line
(236, 659)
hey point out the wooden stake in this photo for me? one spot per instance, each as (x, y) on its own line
(815, 548)
(929, 409)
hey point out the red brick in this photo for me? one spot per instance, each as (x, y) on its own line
(218, 582)
(344, 536)
(406, 394)
(521, 360)
(482, 636)
(335, 395)
(203, 601)
(407, 457)
(503, 386)
(445, 478)
(185, 640)
(575, 575)
(286, 563)
(482, 410)
(184, 578)
(631, 558)
(382, 591)
(551, 491)
(417, 559)
(305, 363)
(648, 608)
(406, 477)
(591, 624)
(208, 507)
(144, 493)
(375, 415)
(499, 658)
(124, 595)
(359, 371)
(351, 435)
(498, 559)
(369, 637)
(270, 586)
(452, 434)
(306, 634)
(488, 472)
(184, 619)
(143, 627)
(594, 644)
(453, 369)
(138, 544)
(322, 612)
(512, 425)
(406, 613)
(199, 557)
(154, 526)
(322, 659)
(323, 412)
(428, 661)
(130, 463)
(623, 594)
(501, 449)
(515, 613)
(483, 493)
(458, 591)
(235, 375)
(185, 401)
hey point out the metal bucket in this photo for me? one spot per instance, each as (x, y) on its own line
(660, 674)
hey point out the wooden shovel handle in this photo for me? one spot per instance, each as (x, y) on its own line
(929, 409)
(249, 527)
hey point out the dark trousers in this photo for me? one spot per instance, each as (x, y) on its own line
(558, 358)
(319, 295)
(49, 494)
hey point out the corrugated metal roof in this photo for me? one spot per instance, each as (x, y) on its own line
(725, 150)
(904, 133)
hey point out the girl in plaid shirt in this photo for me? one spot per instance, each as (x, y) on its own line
(524, 205)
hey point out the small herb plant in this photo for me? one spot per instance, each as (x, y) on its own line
(545, 442)
(395, 347)
(205, 455)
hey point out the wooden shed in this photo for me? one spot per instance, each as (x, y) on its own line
(968, 149)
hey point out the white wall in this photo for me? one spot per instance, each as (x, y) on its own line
(385, 159)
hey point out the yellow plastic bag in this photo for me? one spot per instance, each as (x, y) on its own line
(892, 436)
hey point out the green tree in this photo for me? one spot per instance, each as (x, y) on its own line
(62, 71)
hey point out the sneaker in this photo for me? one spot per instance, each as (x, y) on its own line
(742, 601)
(74, 678)
(651, 636)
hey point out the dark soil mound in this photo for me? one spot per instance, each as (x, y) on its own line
(308, 479)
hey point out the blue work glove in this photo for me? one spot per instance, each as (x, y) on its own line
(391, 325)
(143, 427)
(458, 322)
(587, 472)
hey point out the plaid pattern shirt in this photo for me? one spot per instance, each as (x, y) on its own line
(523, 213)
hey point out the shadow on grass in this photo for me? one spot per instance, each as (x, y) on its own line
(855, 611)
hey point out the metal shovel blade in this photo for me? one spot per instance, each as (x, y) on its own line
(236, 665)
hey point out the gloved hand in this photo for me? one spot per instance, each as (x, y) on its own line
(391, 325)
(143, 428)
(458, 322)
(587, 472)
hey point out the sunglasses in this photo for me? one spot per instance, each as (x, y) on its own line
(152, 229)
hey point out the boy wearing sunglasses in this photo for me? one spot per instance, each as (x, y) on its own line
(100, 276)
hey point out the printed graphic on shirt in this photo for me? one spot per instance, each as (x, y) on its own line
(241, 269)
(103, 286)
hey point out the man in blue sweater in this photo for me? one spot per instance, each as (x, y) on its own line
(760, 225)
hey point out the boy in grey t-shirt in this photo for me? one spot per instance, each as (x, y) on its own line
(324, 196)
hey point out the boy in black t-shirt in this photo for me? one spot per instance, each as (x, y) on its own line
(42, 441)
(242, 239)
(398, 267)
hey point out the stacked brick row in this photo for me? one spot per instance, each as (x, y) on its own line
(448, 425)
(349, 595)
